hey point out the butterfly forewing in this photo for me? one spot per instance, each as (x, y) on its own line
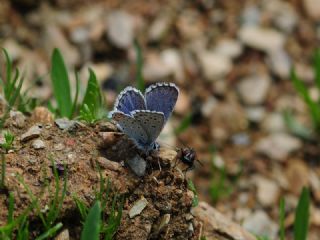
(162, 97)
(152, 123)
(130, 99)
(132, 128)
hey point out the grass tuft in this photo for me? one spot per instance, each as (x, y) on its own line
(303, 91)
(90, 110)
(91, 229)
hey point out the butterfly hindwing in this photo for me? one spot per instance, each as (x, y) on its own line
(152, 122)
(162, 97)
(130, 99)
(131, 127)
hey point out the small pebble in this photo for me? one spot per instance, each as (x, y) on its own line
(33, 132)
(18, 119)
(107, 164)
(65, 124)
(58, 146)
(38, 144)
(163, 222)
(138, 165)
(138, 207)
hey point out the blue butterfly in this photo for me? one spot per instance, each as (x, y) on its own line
(142, 117)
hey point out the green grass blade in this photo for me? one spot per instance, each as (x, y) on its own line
(11, 208)
(83, 209)
(92, 100)
(92, 224)
(303, 91)
(195, 200)
(317, 67)
(139, 62)
(8, 72)
(61, 84)
(281, 219)
(185, 123)
(75, 101)
(3, 171)
(295, 127)
(301, 222)
(49, 233)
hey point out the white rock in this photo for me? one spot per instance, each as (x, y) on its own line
(260, 224)
(120, 29)
(208, 107)
(283, 14)
(274, 122)
(280, 63)
(264, 39)
(229, 48)
(154, 68)
(214, 66)
(138, 207)
(254, 89)
(278, 146)
(172, 59)
(159, 27)
(312, 8)
(54, 37)
(255, 114)
(267, 191)
(251, 15)
(14, 49)
(38, 144)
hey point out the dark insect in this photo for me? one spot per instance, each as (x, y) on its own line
(188, 156)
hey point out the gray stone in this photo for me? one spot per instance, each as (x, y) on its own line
(38, 144)
(251, 15)
(268, 191)
(255, 114)
(159, 27)
(260, 224)
(278, 146)
(274, 122)
(172, 58)
(229, 48)
(33, 132)
(254, 89)
(280, 63)
(138, 165)
(208, 107)
(241, 139)
(214, 66)
(65, 124)
(120, 29)
(138, 207)
(18, 119)
(264, 39)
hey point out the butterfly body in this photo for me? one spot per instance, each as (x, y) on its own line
(142, 117)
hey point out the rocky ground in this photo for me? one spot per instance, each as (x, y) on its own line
(231, 60)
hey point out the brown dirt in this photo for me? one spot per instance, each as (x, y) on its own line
(81, 150)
